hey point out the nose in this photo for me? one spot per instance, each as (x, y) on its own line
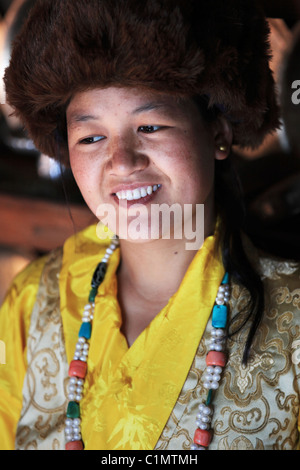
(125, 157)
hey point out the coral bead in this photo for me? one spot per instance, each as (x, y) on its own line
(202, 437)
(216, 358)
(74, 445)
(77, 369)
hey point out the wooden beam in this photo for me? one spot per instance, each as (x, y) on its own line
(38, 224)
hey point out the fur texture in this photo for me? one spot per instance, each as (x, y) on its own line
(186, 47)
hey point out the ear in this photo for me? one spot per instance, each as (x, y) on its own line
(223, 138)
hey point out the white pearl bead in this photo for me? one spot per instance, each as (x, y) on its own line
(216, 377)
(81, 339)
(68, 422)
(207, 411)
(73, 380)
(204, 426)
(71, 388)
(68, 431)
(83, 359)
(71, 396)
(207, 385)
(214, 385)
(76, 421)
(205, 419)
(210, 369)
(207, 377)
(218, 370)
(220, 333)
(194, 447)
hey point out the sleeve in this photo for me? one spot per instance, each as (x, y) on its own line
(15, 314)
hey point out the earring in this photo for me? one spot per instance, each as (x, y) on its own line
(223, 148)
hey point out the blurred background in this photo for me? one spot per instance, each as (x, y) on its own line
(40, 205)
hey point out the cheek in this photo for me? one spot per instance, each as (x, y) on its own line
(86, 180)
(193, 170)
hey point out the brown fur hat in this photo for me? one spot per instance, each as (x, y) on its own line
(217, 48)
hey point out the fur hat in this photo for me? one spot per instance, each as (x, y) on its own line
(218, 49)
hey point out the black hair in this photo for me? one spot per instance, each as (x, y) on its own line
(232, 212)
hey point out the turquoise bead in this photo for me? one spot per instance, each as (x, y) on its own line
(73, 410)
(225, 279)
(219, 316)
(85, 330)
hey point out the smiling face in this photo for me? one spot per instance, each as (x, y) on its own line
(130, 146)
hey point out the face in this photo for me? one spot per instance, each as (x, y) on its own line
(133, 148)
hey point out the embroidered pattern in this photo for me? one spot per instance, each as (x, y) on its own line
(256, 406)
(41, 425)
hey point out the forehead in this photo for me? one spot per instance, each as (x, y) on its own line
(93, 103)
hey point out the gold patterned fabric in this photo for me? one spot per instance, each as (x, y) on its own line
(41, 424)
(256, 406)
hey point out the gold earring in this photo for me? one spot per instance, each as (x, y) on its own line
(223, 148)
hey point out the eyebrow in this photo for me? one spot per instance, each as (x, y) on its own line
(82, 118)
(152, 106)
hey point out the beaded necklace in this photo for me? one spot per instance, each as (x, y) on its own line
(215, 360)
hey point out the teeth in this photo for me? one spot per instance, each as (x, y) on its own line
(137, 193)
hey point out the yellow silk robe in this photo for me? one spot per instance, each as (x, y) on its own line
(145, 396)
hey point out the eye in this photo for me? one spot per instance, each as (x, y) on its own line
(149, 129)
(92, 139)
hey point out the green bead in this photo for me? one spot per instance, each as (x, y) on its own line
(73, 410)
(85, 330)
(209, 397)
(93, 293)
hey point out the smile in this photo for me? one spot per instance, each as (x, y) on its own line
(137, 193)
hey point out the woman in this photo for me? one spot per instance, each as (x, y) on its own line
(144, 101)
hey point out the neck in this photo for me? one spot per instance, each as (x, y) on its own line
(155, 269)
